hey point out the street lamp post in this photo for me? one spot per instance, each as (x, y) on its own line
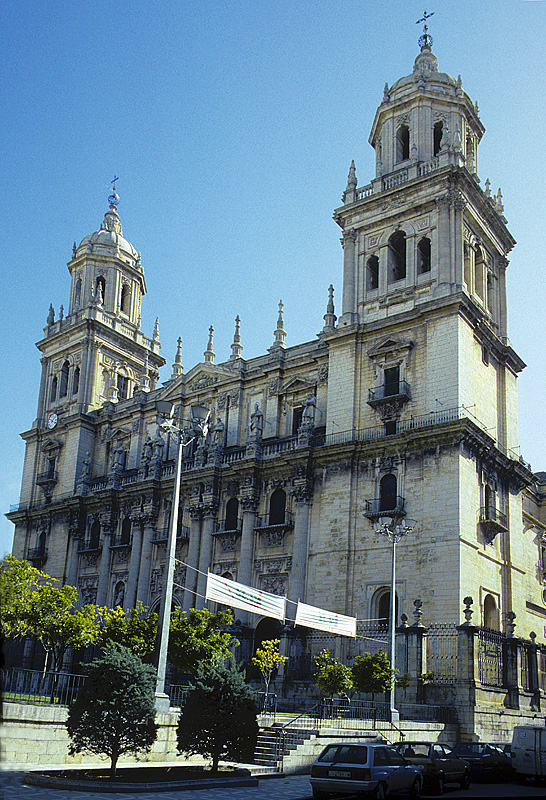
(394, 528)
(198, 425)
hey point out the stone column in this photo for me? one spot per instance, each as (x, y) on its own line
(134, 562)
(302, 496)
(205, 552)
(145, 567)
(192, 557)
(534, 685)
(42, 397)
(416, 654)
(246, 558)
(466, 671)
(512, 655)
(104, 569)
(72, 571)
(349, 277)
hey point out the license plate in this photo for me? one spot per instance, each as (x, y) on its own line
(339, 773)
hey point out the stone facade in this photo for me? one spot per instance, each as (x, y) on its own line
(405, 405)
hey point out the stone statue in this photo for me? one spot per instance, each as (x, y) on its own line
(147, 451)
(158, 446)
(118, 460)
(256, 423)
(218, 433)
(51, 315)
(309, 409)
(86, 467)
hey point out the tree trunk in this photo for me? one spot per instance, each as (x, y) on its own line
(113, 764)
(215, 760)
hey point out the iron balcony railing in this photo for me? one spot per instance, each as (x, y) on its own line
(121, 541)
(385, 506)
(162, 534)
(50, 476)
(491, 514)
(228, 526)
(89, 546)
(37, 554)
(285, 519)
(388, 391)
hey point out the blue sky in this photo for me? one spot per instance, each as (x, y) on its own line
(232, 126)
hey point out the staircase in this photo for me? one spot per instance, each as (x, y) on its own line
(269, 747)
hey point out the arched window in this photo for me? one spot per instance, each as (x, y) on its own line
(100, 289)
(123, 386)
(53, 393)
(232, 514)
(438, 133)
(94, 535)
(126, 531)
(76, 381)
(119, 594)
(63, 389)
(479, 266)
(489, 497)
(372, 273)
(125, 298)
(397, 256)
(423, 256)
(277, 507)
(383, 609)
(466, 267)
(402, 143)
(77, 293)
(490, 614)
(387, 493)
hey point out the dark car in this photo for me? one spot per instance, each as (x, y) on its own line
(485, 759)
(374, 768)
(440, 764)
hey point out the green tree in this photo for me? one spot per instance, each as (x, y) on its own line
(114, 712)
(18, 580)
(268, 659)
(373, 673)
(135, 628)
(332, 677)
(219, 718)
(197, 637)
(52, 617)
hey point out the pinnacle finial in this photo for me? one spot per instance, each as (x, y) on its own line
(349, 195)
(330, 318)
(155, 334)
(425, 40)
(209, 352)
(236, 347)
(113, 200)
(144, 384)
(280, 334)
(177, 366)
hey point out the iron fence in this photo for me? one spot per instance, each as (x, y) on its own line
(35, 687)
(490, 660)
(442, 648)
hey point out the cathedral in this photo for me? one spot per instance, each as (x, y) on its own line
(403, 407)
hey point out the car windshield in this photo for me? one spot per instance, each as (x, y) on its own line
(410, 750)
(471, 748)
(345, 754)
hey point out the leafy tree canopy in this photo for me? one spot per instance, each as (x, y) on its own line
(114, 712)
(53, 619)
(268, 659)
(197, 638)
(135, 628)
(373, 673)
(219, 718)
(332, 677)
(18, 580)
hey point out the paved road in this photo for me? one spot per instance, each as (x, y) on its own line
(293, 787)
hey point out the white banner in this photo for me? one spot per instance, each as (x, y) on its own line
(312, 617)
(231, 593)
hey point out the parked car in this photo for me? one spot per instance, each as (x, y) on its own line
(529, 751)
(440, 764)
(484, 759)
(375, 768)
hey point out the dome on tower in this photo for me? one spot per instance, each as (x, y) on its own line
(425, 71)
(110, 234)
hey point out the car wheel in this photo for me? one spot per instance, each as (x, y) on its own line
(380, 792)
(465, 783)
(440, 784)
(416, 788)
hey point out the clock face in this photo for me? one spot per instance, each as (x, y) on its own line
(52, 420)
